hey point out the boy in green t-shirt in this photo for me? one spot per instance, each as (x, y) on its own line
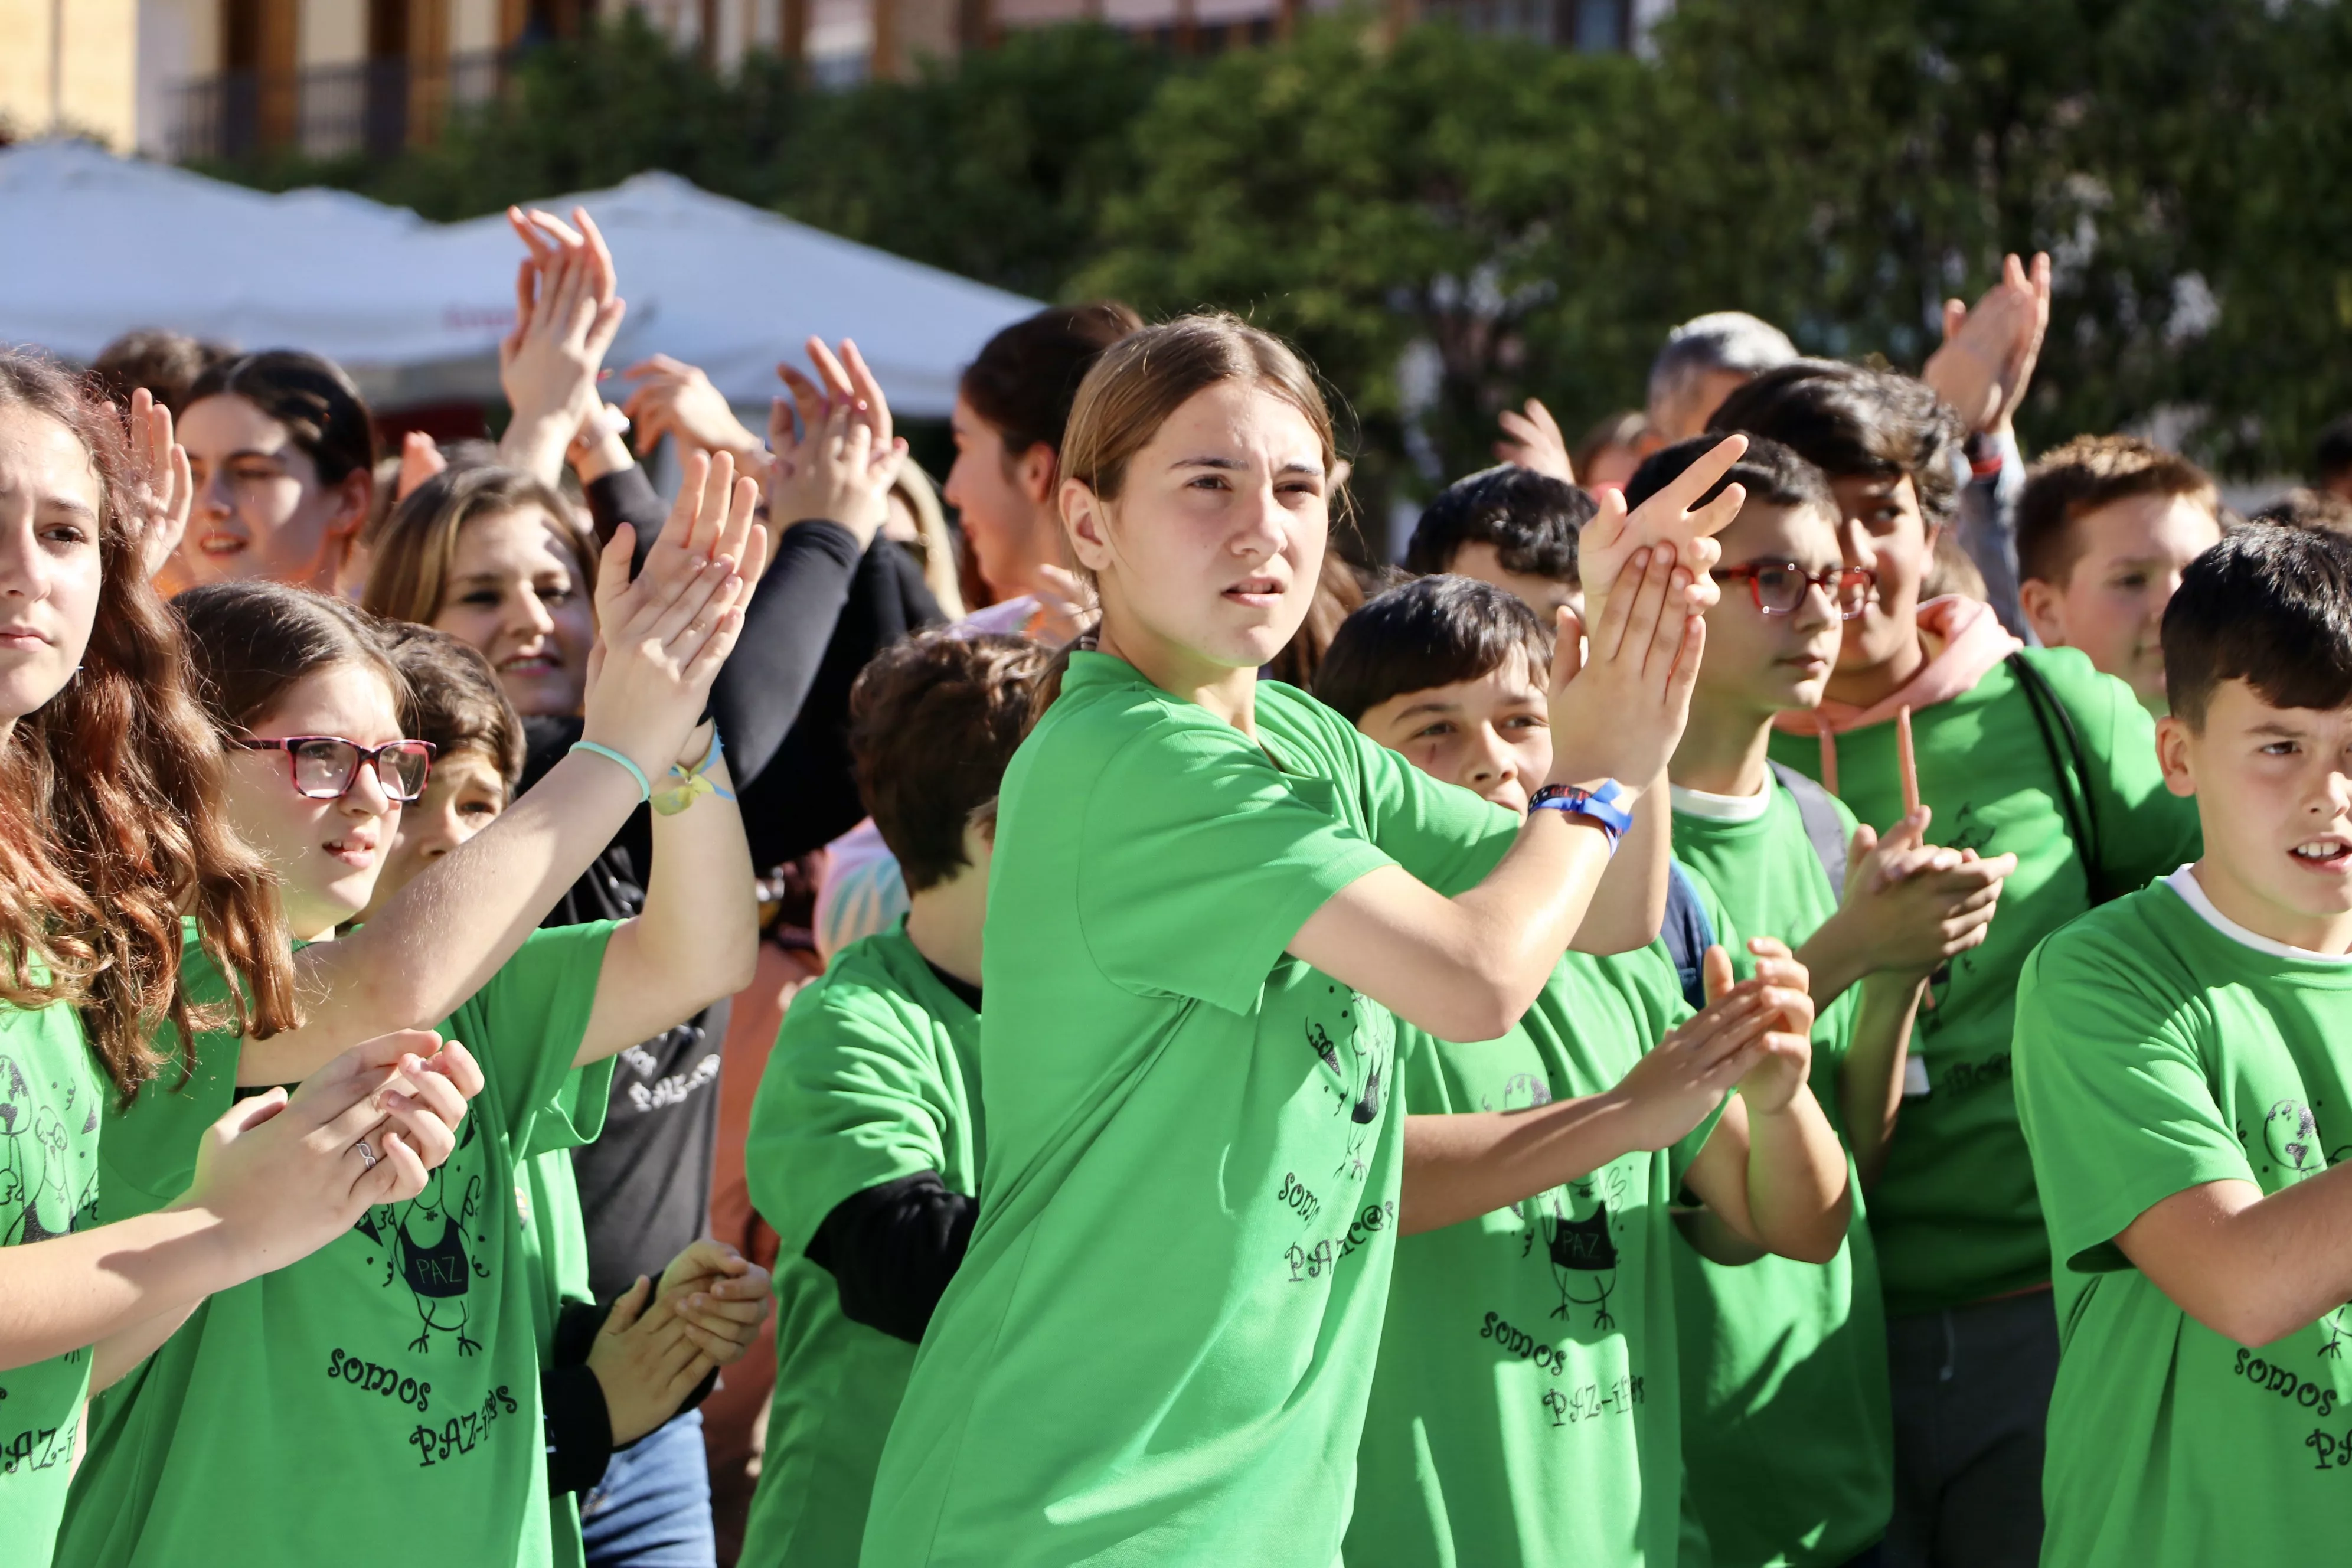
(1785, 1430)
(1524, 1409)
(2183, 1073)
(865, 1148)
(2028, 753)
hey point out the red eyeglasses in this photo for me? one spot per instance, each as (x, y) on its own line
(1779, 586)
(325, 767)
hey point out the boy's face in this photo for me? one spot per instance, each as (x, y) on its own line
(464, 794)
(2274, 788)
(1491, 735)
(1544, 595)
(1766, 663)
(1884, 530)
(2110, 604)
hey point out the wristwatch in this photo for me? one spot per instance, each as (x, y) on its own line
(1603, 806)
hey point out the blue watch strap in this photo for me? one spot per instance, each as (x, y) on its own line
(1603, 806)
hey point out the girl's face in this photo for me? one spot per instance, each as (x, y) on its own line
(1004, 502)
(327, 853)
(515, 594)
(464, 796)
(50, 573)
(1208, 558)
(260, 509)
(1882, 530)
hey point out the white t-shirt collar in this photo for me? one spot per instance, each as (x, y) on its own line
(1732, 808)
(2192, 893)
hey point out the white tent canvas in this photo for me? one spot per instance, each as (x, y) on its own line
(99, 244)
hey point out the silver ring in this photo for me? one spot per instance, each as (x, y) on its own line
(370, 1155)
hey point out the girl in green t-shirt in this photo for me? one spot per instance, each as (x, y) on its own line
(1207, 895)
(408, 1347)
(97, 727)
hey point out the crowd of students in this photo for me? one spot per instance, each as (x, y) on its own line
(1767, 999)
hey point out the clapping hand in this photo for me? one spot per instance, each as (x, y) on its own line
(1533, 440)
(719, 1295)
(1669, 518)
(676, 399)
(1988, 352)
(567, 313)
(834, 455)
(163, 485)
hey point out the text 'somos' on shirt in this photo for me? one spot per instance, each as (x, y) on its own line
(50, 1094)
(2158, 1048)
(388, 1384)
(1526, 1414)
(1160, 1342)
(1955, 1215)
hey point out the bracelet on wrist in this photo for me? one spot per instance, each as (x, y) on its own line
(1607, 805)
(645, 785)
(685, 785)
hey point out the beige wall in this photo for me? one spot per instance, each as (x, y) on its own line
(332, 32)
(89, 84)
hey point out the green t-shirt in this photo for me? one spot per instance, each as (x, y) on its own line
(875, 1077)
(406, 1348)
(2157, 1052)
(1787, 1429)
(1955, 1215)
(51, 1096)
(555, 1242)
(1525, 1410)
(1159, 1343)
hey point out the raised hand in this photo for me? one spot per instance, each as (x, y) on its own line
(644, 1364)
(1671, 516)
(566, 316)
(1916, 905)
(719, 1295)
(663, 635)
(287, 1175)
(1771, 1082)
(1989, 354)
(834, 455)
(1618, 714)
(163, 486)
(420, 460)
(1533, 440)
(676, 399)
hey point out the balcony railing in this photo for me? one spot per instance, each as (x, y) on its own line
(376, 106)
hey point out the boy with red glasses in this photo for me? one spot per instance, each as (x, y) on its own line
(1786, 1433)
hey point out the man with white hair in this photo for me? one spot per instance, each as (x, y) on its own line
(1703, 359)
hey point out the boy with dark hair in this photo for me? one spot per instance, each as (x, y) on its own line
(865, 1148)
(1786, 1428)
(2105, 527)
(1509, 526)
(2032, 752)
(2184, 1079)
(1524, 1407)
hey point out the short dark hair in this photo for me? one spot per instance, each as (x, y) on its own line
(1530, 519)
(166, 362)
(2086, 474)
(2334, 452)
(2268, 606)
(1026, 376)
(1851, 420)
(2301, 508)
(459, 704)
(312, 396)
(1432, 631)
(1770, 472)
(933, 721)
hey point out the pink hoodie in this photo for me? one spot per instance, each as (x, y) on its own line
(1963, 641)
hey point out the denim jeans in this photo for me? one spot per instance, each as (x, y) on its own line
(1971, 1390)
(652, 1510)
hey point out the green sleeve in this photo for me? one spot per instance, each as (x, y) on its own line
(2144, 830)
(147, 1153)
(1198, 862)
(850, 1099)
(526, 1024)
(575, 1117)
(2112, 1092)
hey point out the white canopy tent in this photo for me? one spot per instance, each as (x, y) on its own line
(414, 310)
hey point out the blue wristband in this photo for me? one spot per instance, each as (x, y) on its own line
(1601, 806)
(645, 785)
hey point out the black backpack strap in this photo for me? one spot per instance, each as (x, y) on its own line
(2072, 771)
(1823, 831)
(1688, 933)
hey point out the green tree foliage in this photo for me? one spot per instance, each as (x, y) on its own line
(1450, 222)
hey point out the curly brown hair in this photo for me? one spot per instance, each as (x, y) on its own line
(111, 825)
